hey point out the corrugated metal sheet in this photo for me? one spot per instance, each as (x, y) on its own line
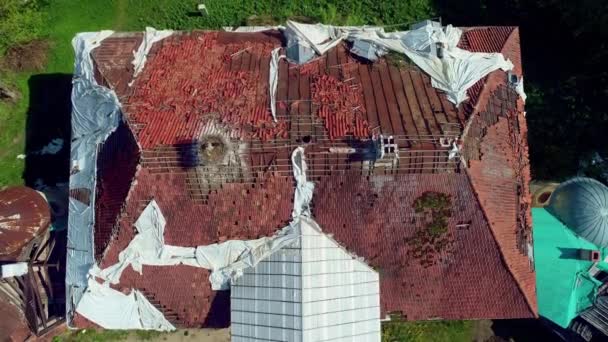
(312, 291)
(582, 205)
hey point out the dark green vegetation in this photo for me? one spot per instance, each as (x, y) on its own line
(564, 50)
(432, 238)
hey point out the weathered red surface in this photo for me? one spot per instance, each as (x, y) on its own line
(500, 176)
(24, 214)
(488, 39)
(13, 326)
(375, 217)
(209, 83)
(238, 211)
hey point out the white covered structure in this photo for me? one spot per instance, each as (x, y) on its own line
(311, 290)
(298, 285)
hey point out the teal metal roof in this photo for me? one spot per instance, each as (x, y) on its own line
(582, 205)
(563, 284)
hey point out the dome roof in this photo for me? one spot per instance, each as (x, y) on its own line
(582, 205)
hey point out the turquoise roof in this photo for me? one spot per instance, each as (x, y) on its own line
(564, 287)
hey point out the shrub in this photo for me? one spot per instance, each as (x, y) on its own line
(20, 22)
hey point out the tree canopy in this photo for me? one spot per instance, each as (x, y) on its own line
(564, 50)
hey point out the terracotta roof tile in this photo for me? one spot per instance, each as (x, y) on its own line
(208, 87)
(486, 39)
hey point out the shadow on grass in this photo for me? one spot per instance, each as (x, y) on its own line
(526, 330)
(48, 119)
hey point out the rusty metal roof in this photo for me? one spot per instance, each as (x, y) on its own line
(24, 214)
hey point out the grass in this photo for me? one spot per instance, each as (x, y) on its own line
(67, 18)
(439, 331)
(94, 335)
(12, 126)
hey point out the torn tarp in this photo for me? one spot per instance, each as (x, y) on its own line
(95, 114)
(519, 89)
(226, 260)
(304, 188)
(304, 40)
(112, 309)
(273, 80)
(151, 36)
(452, 70)
(250, 29)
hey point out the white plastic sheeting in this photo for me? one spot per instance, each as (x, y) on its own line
(454, 151)
(317, 37)
(319, 291)
(273, 80)
(519, 88)
(151, 36)
(304, 188)
(226, 260)
(454, 73)
(112, 309)
(250, 29)
(459, 69)
(95, 114)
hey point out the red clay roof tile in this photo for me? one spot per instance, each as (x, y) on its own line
(207, 84)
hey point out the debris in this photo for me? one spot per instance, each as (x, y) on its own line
(451, 69)
(203, 9)
(336, 102)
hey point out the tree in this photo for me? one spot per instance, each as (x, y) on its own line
(564, 48)
(20, 21)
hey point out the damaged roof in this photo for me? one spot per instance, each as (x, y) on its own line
(199, 138)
